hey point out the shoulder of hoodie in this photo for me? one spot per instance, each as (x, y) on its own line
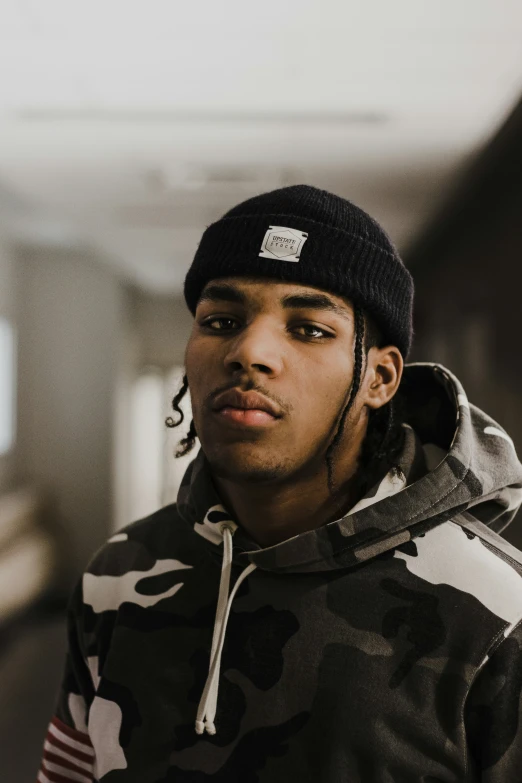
(498, 545)
(463, 554)
(162, 535)
(505, 650)
(494, 571)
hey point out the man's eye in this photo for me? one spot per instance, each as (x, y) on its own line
(313, 331)
(224, 323)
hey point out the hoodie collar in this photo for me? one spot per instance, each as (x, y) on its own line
(454, 458)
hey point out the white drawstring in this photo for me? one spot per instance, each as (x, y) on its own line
(208, 702)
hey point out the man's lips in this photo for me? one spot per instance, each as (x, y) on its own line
(246, 408)
(250, 400)
(252, 417)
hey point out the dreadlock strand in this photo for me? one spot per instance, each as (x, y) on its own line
(356, 382)
(187, 443)
(169, 421)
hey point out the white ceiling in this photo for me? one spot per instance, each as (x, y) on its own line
(129, 125)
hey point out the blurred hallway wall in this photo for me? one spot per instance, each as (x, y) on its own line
(72, 318)
(155, 331)
(164, 324)
(8, 310)
(468, 276)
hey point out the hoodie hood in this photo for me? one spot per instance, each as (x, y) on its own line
(455, 459)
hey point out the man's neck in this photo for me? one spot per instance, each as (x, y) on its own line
(275, 512)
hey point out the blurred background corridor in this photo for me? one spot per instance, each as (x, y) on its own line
(125, 129)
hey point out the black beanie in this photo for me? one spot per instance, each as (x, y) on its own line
(304, 235)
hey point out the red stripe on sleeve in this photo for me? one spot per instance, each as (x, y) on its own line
(68, 755)
(79, 736)
(85, 757)
(56, 758)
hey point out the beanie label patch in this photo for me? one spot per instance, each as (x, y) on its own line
(283, 243)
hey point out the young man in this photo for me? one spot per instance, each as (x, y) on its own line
(329, 600)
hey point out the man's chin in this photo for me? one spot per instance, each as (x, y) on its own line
(241, 469)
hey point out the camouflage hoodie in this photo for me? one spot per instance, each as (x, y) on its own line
(385, 647)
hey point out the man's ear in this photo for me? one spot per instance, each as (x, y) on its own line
(385, 367)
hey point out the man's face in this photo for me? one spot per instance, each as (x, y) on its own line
(291, 343)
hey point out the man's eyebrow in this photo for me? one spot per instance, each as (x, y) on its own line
(225, 292)
(315, 302)
(222, 292)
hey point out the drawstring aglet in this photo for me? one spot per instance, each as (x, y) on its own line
(208, 726)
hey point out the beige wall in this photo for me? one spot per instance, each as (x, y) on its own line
(163, 324)
(70, 332)
(155, 333)
(8, 309)
(83, 338)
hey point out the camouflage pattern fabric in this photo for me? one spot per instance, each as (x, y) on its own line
(384, 647)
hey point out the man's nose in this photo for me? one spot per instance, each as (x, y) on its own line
(257, 346)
